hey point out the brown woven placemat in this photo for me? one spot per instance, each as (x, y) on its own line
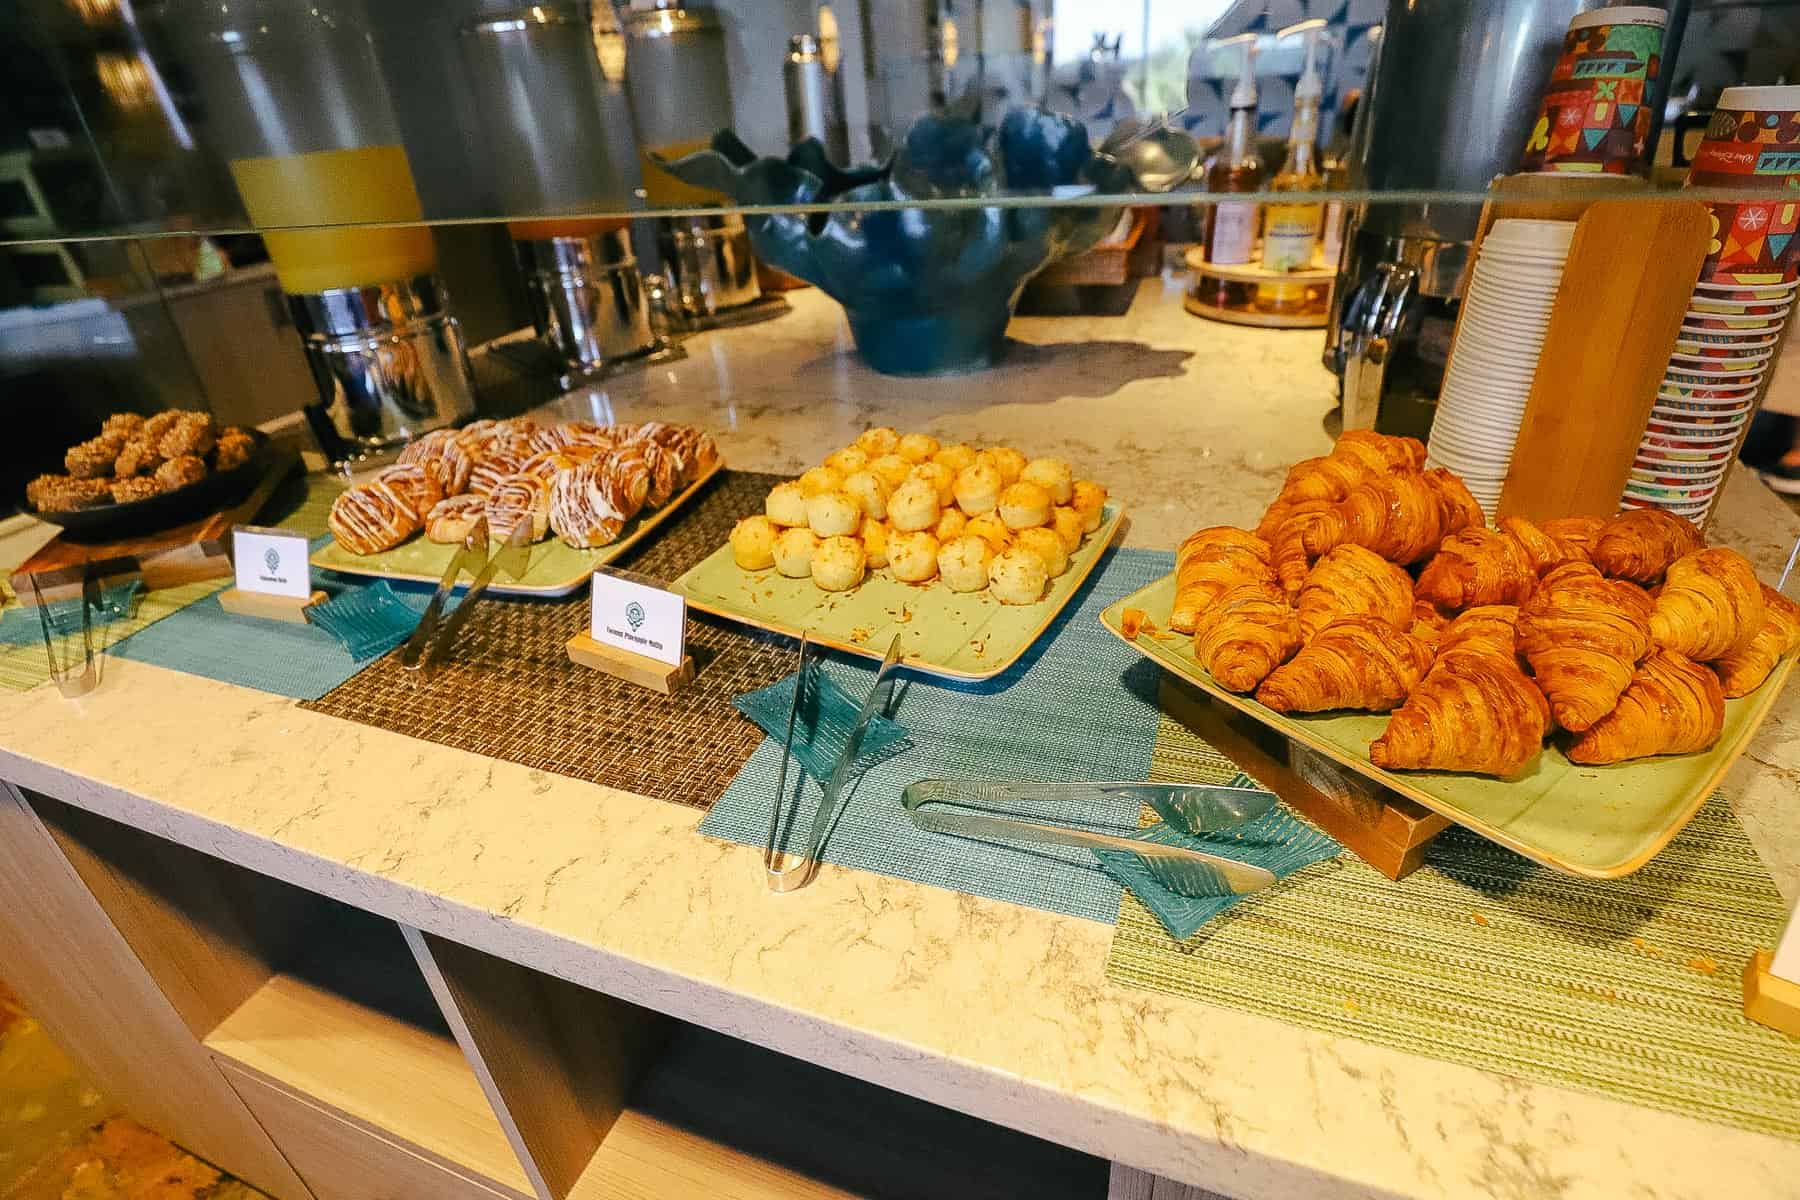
(511, 692)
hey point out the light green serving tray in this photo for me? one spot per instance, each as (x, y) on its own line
(1597, 822)
(556, 569)
(961, 635)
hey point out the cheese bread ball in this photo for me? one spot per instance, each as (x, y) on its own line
(1024, 506)
(1067, 523)
(978, 488)
(963, 563)
(992, 530)
(917, 447)
(794, 551)
(912, 557)
(1089, 499)
(1017, 576)
(1043, 542)
(878, 441)
(941, 478)
(951, 524)
(753, 543)
(786, 505)
(892, 469)
(847, 461)
(1006, 460)
(1051, 474)
(875, 539)
(833, 514)
(820, 479)
(955, 458)
(839, 563)
(913, 506)
(870, 491)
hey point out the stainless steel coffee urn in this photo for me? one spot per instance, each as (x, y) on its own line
(1451, 101)
(560, 136)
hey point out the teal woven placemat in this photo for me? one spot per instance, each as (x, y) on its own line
(1078, 705)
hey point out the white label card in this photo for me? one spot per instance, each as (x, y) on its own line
(1787, 955)
(638, 618)
(271, 561)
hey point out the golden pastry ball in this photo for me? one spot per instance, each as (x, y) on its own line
(786, 504)
(941, 478)
(892, 469)
(913, 506)
(1067, 523)
(912, 557)
(753, 543)
(1043, 542)
(870, 492)
(1089, 499)
(977, 488)
(839, 563)
(847, 461)
(1009, 462)
(992, 530)
(917, 447)
(819, 480)
(833, 514)
(1051, 474)
(1024, 506)
(794, 551)
(950, 524)
(1017, 576)
(875, 539)
(963, 563)
(877, 441)
(955, 458)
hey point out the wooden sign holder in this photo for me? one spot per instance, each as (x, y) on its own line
(1768, 998)
(1383, 828)
(1628, 280)
(637, 669)
(270, 608)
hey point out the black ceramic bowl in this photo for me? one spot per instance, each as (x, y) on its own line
(220, 489)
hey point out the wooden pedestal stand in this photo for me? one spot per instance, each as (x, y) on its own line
(645, 672)
(1384, 829)
(270, 608)
(1628, 280)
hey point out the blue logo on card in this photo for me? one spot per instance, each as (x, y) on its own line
(634, 615)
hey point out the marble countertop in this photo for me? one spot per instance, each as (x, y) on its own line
(996, 1010)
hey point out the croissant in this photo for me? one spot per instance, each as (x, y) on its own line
(1351, 581)
(1379, 450)
(1356, 662)
(1273, 518)
(1210, 563)
(1397, 516)
(1428, 621)
(1290, 559)
(1673, 706)
(1710, 605)
(1743, 670)
(1472, 712)
(1490, 630)
(1245, 635)
(1639, 545)
(1457, 508)
(1540, 549)
(1328, 477)
(1576, 535)
(1584, 635)
(1477, 566)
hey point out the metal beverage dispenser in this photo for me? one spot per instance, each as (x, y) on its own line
(555, 128)
(296, 102)
(1451, 101)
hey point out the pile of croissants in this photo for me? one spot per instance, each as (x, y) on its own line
(1372, 584)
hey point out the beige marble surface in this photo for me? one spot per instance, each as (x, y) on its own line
(993, 1009)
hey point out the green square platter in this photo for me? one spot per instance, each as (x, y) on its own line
(959, 635)
(1595, 822)
(556, 569)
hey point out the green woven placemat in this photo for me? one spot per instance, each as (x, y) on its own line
(1630, 988)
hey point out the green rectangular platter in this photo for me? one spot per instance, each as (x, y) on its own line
(1596, 822)
(556, 569)
(960, 635)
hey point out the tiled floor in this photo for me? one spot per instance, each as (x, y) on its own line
(62, 1140)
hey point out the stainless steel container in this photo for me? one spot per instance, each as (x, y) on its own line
(587, 299)
(389, 362)
(677, 76)
(811, 89)
(709, 264)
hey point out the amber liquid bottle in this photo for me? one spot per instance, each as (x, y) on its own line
(1232, 225)
(1291, 228)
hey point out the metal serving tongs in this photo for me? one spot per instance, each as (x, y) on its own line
(966, 807)
(785, 870)
(68, 683)
(428, 647)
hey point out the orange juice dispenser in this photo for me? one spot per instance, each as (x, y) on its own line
(677, 76)
(553, 122)
(297, 105)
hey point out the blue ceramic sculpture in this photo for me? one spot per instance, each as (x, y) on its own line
(927, 291)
